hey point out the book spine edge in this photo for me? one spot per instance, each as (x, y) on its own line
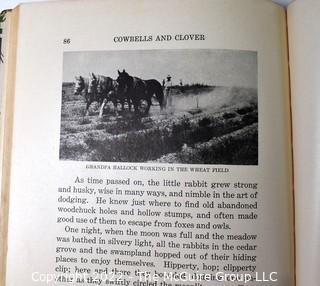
(6, 135)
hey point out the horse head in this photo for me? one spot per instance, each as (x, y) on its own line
(93, 84)
(124, 80)
(79, 85)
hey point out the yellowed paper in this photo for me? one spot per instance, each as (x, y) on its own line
(303, 23)
(48, 31)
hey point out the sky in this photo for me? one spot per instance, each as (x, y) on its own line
(212, 67)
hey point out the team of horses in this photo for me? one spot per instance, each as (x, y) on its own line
(126, 89)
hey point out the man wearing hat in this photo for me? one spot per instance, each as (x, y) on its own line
(167, 90)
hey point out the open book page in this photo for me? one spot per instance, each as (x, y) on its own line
(303, 23)
(150, 137)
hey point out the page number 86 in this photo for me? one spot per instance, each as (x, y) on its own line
(66, 41)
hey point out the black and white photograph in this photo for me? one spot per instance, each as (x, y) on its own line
(183, 106)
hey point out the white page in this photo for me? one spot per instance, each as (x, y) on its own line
(37, 172)
(303, 22)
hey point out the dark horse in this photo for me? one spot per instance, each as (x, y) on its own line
(105, 89)
(82, 88)
(140, 91)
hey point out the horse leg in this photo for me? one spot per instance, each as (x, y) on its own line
(136, 107)
(102, 107)
(87, 108)
(129, 104)
(149, 105)
(115, 104)
(122, 104)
